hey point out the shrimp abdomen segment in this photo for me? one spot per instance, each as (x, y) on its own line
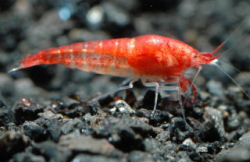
(102, 57)
(105, 57)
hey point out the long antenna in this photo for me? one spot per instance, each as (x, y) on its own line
(233, 34)
(216, 63)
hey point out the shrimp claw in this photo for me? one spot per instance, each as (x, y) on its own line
(184, 82)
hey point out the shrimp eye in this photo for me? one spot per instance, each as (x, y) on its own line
(195, 55)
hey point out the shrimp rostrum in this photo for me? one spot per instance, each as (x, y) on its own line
(156, 60)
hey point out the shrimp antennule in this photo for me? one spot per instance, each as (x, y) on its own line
(210, 54)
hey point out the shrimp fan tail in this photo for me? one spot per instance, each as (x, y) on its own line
(28, 61)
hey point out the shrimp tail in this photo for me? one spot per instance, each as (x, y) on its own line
(28, 61)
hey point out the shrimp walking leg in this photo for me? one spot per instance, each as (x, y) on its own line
(117, 90)
(126, 81)
(156, 85)
(165, 88)
(178, 89)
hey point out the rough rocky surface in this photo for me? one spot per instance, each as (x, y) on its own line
(45, 113)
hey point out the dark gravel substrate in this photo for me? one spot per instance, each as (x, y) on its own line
(44, 110)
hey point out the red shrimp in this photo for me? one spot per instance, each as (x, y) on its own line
(154, 59)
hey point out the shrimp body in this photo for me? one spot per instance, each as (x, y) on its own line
(149, 57)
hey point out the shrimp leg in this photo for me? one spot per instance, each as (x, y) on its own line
(165, 88)
(156, 85)
(117, 90)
